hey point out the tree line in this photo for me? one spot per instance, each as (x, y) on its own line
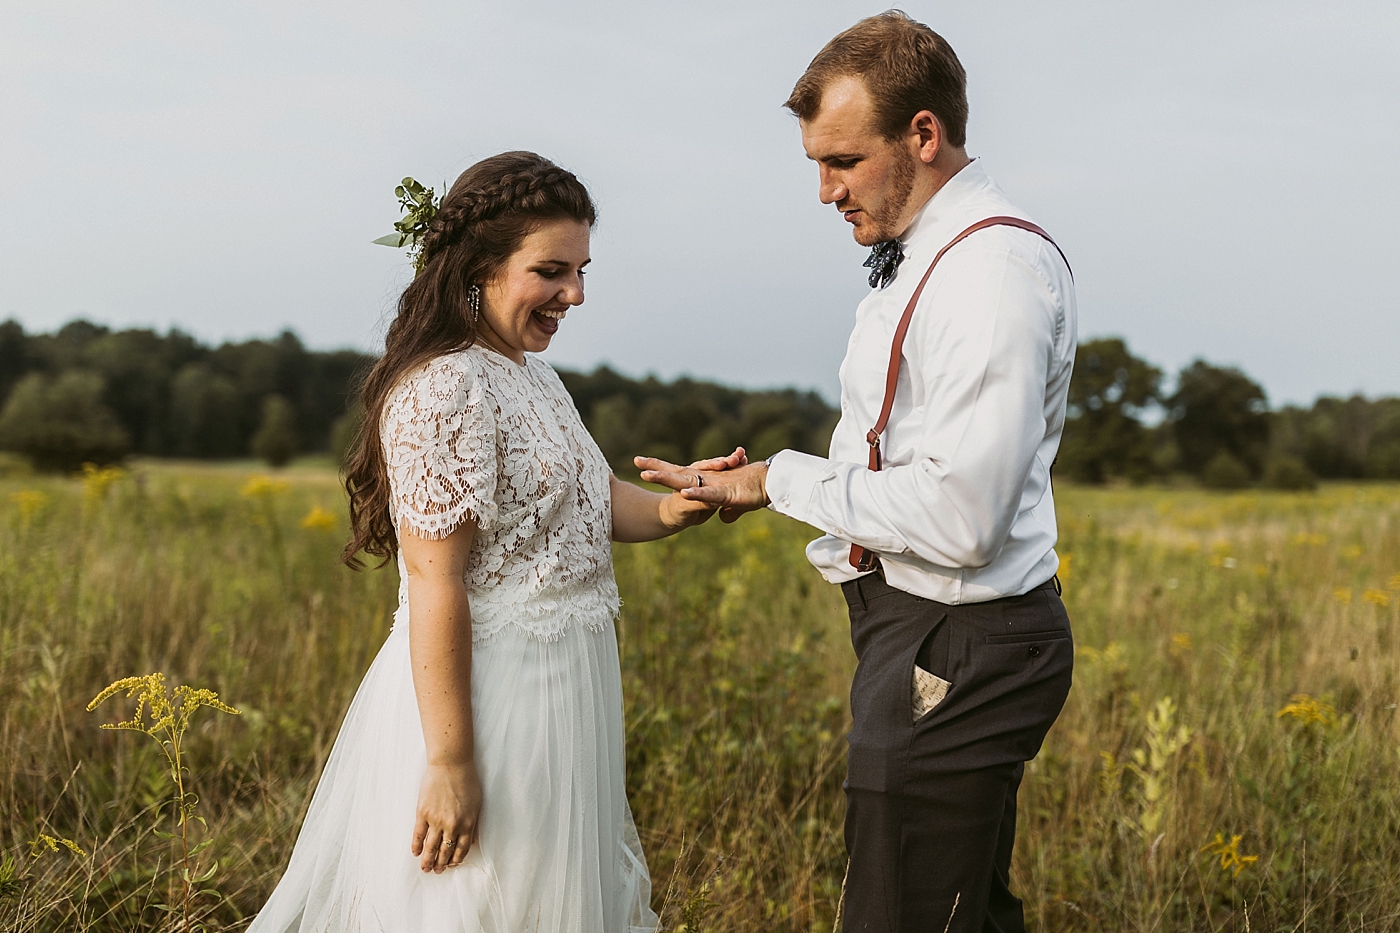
(87, 393)
(1215, 425)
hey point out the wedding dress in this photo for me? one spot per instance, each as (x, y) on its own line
(473, 434)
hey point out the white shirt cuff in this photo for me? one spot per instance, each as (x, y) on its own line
(792, 476)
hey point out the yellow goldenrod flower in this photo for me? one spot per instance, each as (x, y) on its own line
(30, 502)
(165, 716)
(1308, 711)
(97, 480)
(1111, 653)
(1181, 644)
(319, 519)
(45, 843)
(1229, 852)
(1393, 583)
(1377, 597)
(152, 697)
(261, 486)
(1065, 572)
(1342, 594)
(1352, 552)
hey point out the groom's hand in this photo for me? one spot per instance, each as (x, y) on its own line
(733, 491)
(738, 458)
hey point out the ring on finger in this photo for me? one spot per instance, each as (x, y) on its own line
(699, 480)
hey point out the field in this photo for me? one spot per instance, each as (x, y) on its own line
(1229, 758)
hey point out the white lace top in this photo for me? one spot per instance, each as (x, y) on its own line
(474, 435)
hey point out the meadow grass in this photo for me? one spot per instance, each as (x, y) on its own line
(1229, 758)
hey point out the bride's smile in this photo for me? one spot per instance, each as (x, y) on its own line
(523, 304)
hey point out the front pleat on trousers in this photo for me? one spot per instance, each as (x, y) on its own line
(931, 804)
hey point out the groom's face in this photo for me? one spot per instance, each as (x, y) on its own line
(867, 176)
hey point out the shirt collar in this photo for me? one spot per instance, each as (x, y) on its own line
(946, 201)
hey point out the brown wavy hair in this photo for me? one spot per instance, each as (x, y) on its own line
(906, 66)
(489, 211)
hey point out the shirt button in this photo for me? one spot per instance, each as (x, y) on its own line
(1033, 651)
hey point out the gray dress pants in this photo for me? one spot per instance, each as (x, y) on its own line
(931, 802)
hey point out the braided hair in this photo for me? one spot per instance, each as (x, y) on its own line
(485, 217)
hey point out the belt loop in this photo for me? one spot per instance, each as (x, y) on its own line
(1059, 589)
(860, 591)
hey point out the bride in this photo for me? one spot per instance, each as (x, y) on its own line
(477, 782)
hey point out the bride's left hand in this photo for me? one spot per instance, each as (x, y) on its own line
(448, 817)
(677, 511)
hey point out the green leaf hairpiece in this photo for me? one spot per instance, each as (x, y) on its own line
(420, 206)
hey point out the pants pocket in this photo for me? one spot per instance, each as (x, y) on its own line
(928, 691)
(1025, 638)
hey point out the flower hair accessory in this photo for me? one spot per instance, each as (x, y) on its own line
(420, 206)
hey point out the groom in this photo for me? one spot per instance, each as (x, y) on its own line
(936, 499)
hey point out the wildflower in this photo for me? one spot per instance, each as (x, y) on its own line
(1112, 653)
(1181, 644)
(1308, 711)
(45, 843)
(1352, 552)
(30, 502)
(261, 486)
(1066, 560)
(97, 480)
(1393, 583)
(1342, 594)
(1229, 853)
(165, 717)
(1152, 763)
(319, 519)
(759, 534)
(168, 713)
(1377, 598)
(1110, 774)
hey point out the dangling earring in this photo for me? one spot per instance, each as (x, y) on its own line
(474, 302)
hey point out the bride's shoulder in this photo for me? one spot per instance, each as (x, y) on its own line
(449, 380)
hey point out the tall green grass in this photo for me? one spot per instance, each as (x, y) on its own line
(1199, 618)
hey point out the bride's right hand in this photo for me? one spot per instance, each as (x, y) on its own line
(449, 811)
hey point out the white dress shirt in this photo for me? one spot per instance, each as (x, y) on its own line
(961, 511)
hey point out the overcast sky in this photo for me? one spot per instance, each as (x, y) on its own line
(1222, 175)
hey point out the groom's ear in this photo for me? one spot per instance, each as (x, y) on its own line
(925, 136)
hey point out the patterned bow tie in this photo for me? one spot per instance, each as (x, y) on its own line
(884, 260)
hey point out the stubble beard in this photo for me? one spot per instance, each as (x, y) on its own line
(883, 223)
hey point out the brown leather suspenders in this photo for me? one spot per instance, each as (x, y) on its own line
(861, 559)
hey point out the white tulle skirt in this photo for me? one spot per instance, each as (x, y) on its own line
(558, 850)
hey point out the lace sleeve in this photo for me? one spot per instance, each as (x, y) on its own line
(439, 436)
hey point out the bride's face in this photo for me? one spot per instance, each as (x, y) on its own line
(524, 304)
